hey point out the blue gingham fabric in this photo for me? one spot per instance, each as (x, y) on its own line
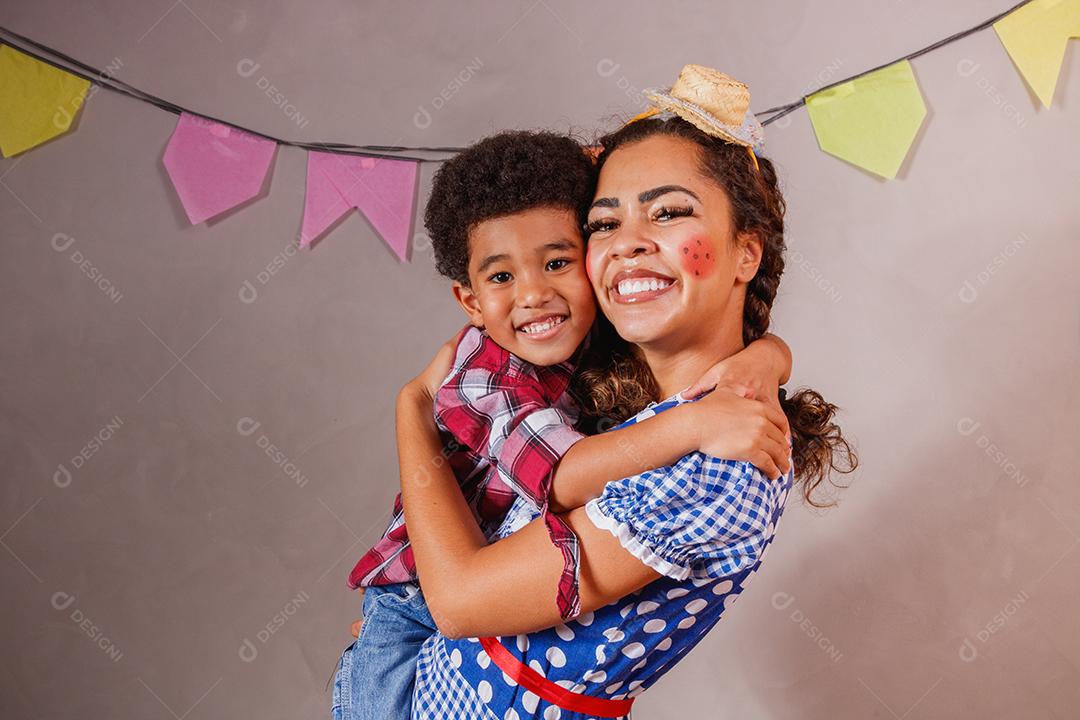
(704, 523)
(447, 694)
(701, 517)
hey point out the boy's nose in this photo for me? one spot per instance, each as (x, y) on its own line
(534, 292)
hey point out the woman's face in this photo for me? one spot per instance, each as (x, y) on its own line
(662, 258)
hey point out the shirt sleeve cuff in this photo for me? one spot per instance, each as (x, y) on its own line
(635, 543)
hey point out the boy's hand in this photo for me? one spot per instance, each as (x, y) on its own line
(736, 428)
(355, 627)
(755, 372)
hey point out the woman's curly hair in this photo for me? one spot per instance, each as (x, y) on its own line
(498, 176)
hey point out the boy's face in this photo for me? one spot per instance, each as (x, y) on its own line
(529, 287)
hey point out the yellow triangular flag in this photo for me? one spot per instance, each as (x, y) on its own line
(1035, 37)
(872, 120)
(37, 101)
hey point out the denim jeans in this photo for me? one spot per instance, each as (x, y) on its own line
(377, 673)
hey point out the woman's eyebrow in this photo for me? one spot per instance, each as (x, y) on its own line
(656, 192)
(608, 202)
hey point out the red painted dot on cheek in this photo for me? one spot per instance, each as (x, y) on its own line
(698, 256)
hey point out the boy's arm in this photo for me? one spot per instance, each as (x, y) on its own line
(722, 424)
(756, 371)
(593, 462)
(509, 418)
(541, 456)
(781, 351)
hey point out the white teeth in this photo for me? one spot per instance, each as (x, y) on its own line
(535, 328)
(631, 287)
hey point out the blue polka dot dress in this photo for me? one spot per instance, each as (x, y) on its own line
(704, 523)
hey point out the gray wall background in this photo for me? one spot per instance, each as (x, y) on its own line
(184, 570)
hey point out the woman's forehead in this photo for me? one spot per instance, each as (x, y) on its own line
(632, 172)
(652, 162)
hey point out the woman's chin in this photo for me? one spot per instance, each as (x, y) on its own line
(639, 330)
(645, 322)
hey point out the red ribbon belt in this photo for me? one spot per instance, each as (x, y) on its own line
(537, 684)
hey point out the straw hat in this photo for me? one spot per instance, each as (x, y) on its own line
(715, 103)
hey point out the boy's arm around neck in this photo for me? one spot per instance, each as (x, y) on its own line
(661, 440)
(592, 462)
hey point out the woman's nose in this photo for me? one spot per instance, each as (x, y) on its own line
(630, 241)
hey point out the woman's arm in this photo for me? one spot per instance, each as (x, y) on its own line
(473, 588)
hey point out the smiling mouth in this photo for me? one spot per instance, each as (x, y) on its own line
(639, 286)
(543, 328)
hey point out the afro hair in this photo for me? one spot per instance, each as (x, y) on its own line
(498, 176)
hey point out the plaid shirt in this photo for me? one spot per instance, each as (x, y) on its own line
(506, 424)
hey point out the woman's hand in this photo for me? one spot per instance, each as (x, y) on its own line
(737, 428)
(755, 372)
(431, 378)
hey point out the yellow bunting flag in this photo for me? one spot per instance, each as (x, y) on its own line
(37, 101)
(1035, 37)
(872, 120)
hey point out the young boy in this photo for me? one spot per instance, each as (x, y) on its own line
(505, 221)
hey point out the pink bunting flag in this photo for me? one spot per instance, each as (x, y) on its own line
(215, 167)
(382, 189)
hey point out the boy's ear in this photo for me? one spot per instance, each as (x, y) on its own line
(749, 257)
(470, 303)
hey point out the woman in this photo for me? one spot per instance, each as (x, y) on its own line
(663, 552)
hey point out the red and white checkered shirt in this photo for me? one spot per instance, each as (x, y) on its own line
(505, 424)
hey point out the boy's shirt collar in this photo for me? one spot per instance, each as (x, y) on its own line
(477, 349)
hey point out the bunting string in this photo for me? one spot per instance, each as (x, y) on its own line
(58, 59)
(44, 53)
(775, 113)
(869, 119)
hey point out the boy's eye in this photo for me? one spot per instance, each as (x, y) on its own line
(557, 263)
(500, 277)
(601, 225)
(670, 213)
